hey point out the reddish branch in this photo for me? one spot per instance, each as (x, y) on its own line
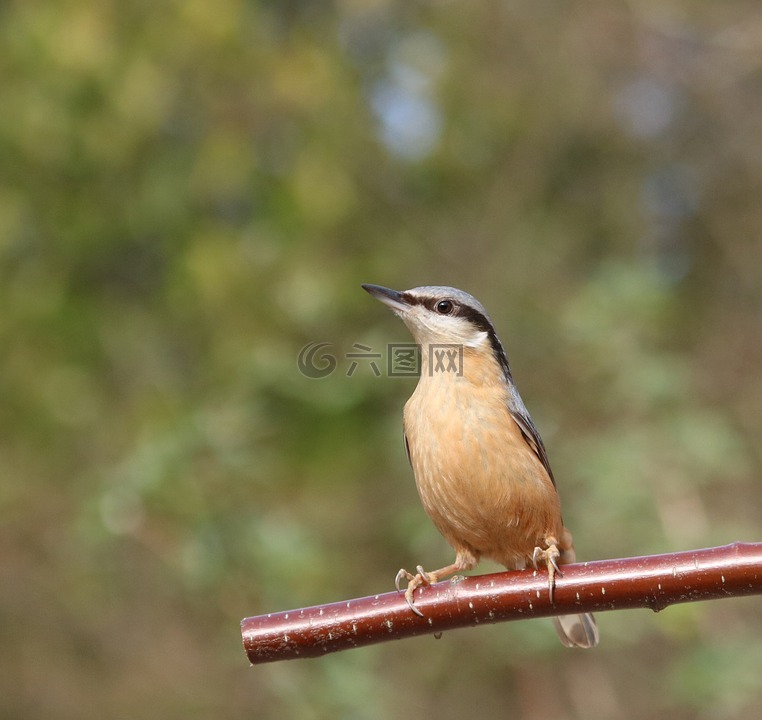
(654, 582)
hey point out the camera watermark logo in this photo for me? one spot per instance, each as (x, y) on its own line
(313, 366)
(402, 360)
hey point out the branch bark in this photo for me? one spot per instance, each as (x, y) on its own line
(654, 582)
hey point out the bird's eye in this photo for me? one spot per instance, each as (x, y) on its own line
(445, 307)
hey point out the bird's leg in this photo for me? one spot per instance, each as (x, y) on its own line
(464, 560)
(550, 557)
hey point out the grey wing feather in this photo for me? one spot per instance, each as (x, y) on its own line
(521, 415)
(529, 431)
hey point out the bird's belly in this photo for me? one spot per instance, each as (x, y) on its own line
(481, 483)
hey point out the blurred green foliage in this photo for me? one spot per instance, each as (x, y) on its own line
(191, 192)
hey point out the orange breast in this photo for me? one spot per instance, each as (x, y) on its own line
(478, 479)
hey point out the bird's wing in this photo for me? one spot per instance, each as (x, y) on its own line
(407, 448)
(532, 436)
(519, 411)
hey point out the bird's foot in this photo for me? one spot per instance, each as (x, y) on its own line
(413, 583)
(550, 558)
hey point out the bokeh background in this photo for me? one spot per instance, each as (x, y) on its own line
(191, 192)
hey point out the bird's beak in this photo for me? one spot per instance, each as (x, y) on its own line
(391, 298)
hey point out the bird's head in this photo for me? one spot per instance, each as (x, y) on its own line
(436, 314)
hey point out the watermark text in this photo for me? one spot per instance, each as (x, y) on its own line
(318, 360)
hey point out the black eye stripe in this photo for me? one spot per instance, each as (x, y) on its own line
(475, 317)
(479, 320)
(459, 310)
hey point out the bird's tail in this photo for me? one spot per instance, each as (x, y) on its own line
(577, 630)
(574, 630)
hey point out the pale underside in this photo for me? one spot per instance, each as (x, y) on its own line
(479, 480)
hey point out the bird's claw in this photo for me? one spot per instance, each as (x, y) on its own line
(414, 582)
(427, 580)
(402, 574)
(550, 557)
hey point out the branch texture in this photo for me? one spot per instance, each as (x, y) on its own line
(654, 582)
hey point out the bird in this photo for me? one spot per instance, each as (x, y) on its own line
(480, 465)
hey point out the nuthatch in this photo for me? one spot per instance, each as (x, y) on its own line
(480, 465)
